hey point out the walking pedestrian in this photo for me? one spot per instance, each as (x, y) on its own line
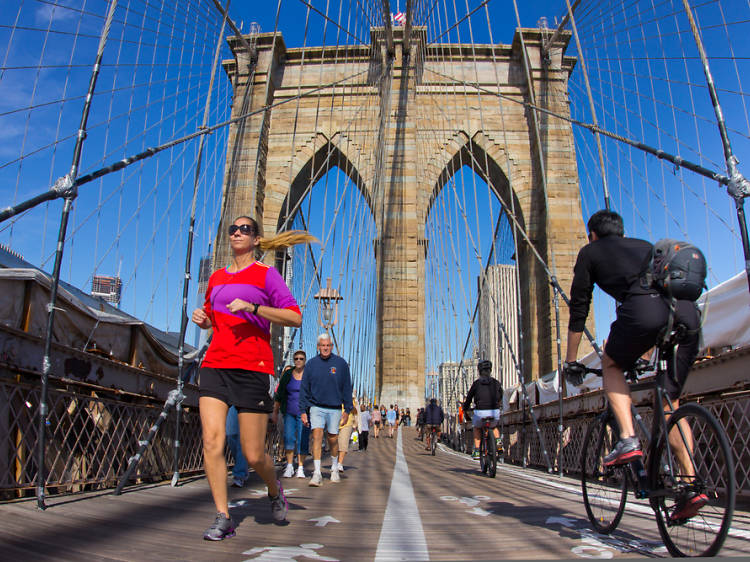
(242, 300)
(377, 420)
(326, 387)
(345, 434)
(390, 415)
(239, 470)
(286, 401)
(364, 428)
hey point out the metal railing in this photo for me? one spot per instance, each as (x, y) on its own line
(91, 435)
(731, 407)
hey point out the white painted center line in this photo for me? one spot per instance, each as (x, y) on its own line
(402, 535)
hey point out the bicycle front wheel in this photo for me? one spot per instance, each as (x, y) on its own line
(491, 457)
(694, 477)
(604, 488)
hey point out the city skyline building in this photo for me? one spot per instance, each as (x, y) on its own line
(498, 301)
(107, 287)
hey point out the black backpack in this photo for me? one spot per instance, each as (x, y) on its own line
(676, 269)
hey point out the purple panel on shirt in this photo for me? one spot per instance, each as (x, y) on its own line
(222, 295)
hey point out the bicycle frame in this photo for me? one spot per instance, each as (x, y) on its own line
(636, 473)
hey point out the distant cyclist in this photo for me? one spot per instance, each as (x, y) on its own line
(487, 394)
(616, 264)
(433, 417)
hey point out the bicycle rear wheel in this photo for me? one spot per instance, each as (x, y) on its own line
(712, 462)
(491, 457)
(604, 488)
(483, 454)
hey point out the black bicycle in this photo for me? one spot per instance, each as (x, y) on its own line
(488, 449)
(690, 479)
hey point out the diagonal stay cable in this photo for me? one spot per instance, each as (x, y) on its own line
(676, 160)
(60, 189)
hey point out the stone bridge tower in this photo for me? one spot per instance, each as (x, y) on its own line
(276, 154)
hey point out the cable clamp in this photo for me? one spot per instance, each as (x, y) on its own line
(738, 186)
(65, 186)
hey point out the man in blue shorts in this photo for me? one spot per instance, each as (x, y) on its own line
(326, 386)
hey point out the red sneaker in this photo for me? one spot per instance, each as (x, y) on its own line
(688, 507)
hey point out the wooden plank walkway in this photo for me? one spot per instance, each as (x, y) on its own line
(521, 514)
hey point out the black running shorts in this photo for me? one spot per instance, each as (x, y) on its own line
(639, 320)
(248, 391)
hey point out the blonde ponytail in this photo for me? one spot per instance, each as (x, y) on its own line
(286, 239)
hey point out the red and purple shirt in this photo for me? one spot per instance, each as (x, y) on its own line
(241, 340)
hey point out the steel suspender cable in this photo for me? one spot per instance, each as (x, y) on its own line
(65, 187)
(738, 186)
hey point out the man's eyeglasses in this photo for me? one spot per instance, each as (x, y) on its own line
(246, 229)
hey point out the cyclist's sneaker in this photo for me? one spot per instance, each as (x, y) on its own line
(279, 506)
(688, 507)
(301, 472)
(475, 454)
(288, 472)
(624, 451)
(223, 528)
(317, 479)
(335, 476)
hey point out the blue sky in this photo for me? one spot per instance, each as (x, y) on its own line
(155, 81)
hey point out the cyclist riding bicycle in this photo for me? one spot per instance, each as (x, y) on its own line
(433, 417)
(617, 264)
(487, 394)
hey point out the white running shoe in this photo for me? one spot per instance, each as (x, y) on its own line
(341, 467)
(317, 479)
(289, 471)
(335, 476)
(301, 472)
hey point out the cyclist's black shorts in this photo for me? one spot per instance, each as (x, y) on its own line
(640, 318)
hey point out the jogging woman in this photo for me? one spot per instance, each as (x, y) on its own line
(242, 300)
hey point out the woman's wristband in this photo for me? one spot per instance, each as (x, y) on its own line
(255, 307)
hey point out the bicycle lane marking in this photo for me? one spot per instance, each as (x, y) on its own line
(402, 535)
(629, 506)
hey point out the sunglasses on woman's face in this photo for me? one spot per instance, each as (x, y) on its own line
(299, 358)
(246, 229)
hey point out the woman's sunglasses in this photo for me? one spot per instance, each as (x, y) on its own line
(246, 229)
(299, 358)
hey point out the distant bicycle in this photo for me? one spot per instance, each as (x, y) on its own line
(690, 481)
(488, 449)
(432, 437)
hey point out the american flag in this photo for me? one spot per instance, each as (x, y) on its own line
(400, 18)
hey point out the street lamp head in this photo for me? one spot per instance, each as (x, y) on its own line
(328, 307)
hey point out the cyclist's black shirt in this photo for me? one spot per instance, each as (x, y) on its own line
(487, 392)
(615, 264)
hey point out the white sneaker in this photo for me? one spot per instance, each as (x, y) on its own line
(288, 471)
(301, 472)
(335, 476)
(317, 479)
(341, 467)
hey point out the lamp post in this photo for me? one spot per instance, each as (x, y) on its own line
(328, 306)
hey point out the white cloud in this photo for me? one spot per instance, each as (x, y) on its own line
(47, 13)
